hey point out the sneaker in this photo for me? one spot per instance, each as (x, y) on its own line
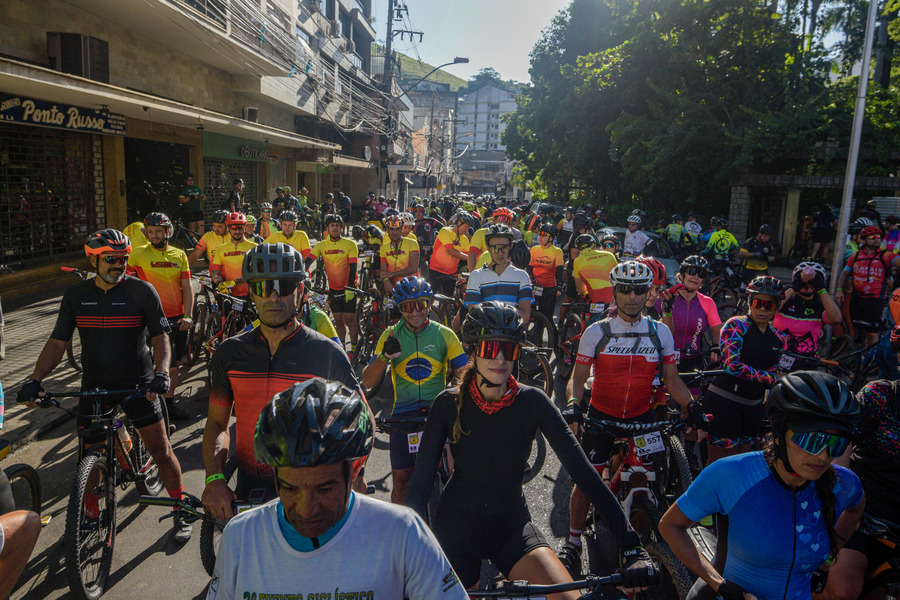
(176, 413)
(183, 530)
(570, 556)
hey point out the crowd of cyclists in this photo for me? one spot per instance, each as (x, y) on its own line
(763, 416)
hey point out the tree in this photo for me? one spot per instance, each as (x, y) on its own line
(487, 77)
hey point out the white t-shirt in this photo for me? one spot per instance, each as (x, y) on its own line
(635, 242)
(382, 552)
(694, 228)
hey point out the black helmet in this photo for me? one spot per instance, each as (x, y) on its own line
(358, 233)
(288, 215)
(585, 241)
(273, 261)
(493, 320)
(333, 218)
(723, 222)
(498, 230)
(160, 220)
(765, 284)
(677, 217)
(811, 401)
(316, 422)
(694, 260)
(106, 240)
(854, 228)
(766, 229)
(581, 219)
(520, 255)
(609, 236)
(219, 216)
(548, 228)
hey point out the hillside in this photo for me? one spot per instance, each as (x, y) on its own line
(412, 69)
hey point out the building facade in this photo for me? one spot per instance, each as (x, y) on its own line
(483, 167)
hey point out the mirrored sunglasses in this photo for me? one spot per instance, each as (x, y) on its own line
(696, 272)
(414, 305)
(639, 290)
(264, 287)
(763, 304)
(814, 442)
(491, 348)
(115, 260)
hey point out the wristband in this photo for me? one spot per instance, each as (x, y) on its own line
(667, 314)
(384, 359)
(215, 477)
(572, 401)
(822, 292)
(830, 560)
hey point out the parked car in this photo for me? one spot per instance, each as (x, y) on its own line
(657, 247)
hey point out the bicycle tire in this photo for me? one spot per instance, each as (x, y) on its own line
(642, 505)
(868, 373)
(726, 311)
(84, 536)
(73, 352)
(213, 336)
(365, 350)
(677, 470)
(26, 487)
(568, 347)
(319, 280)
(540, 333)
(541, 376)
(149, 482)
(211, 532)
(536, 459)
(600, 547)
(195, 333)
(676, 580)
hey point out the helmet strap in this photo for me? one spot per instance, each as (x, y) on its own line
(484, 380)
(779, 426)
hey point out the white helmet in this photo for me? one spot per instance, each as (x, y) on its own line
(631, 273)
(865, 221)
(634, 219)
(408, 218)
(819, 269)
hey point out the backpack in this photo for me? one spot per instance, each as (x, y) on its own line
(652, 332)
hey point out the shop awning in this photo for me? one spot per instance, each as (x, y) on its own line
(38, 82)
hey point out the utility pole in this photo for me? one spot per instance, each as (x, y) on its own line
(386, 82)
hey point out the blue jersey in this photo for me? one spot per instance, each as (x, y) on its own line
(776, 537)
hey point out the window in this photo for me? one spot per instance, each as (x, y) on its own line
(303, 36)
(330, 10)
(493, 107)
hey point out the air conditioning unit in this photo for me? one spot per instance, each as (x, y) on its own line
(314, 6)
(251, 113)
(334, 29)
(79, 54)
(350, 47)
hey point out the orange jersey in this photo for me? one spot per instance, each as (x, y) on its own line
(396, 257)
(441, 261)
(337, 256)
(209, 242)
(166, 270)
(544, 262)
(135, 233)
(593, 268)
(229, 260)
(298, 240)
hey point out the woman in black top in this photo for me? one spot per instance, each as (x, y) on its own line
(491, 421)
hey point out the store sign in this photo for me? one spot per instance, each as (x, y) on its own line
(251, 153)
(16, 109)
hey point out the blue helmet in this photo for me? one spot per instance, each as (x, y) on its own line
(412, 288)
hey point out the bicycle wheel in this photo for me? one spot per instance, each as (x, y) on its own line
(365, 350)
(73, 352)
(868, 373)
(541, 375)
(213, 336)
(195, 333)
(148, 481)
(676, 580)
(568, 347)
(726, 311)
(842, 350)
(675, 477)
(602, 555)
(90, 528)
(25, 484)
(644, 516)
(540, 333)
(211, 532)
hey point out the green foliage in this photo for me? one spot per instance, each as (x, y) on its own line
(489, 77)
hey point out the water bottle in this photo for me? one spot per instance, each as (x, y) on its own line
(124, 437)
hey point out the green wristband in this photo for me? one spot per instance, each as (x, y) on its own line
(214, 477)
(822, 292)
(830, 560)
(384, 359)
(572, 401)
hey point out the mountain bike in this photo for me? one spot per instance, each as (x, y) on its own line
(122, 459)
(883, 570)
(182, 237)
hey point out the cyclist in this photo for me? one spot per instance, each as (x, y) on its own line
(756, 254)
(635, 239)
(591, 273)
(292, 236)
(265, 226)
(565, 227)
(609, 242)
(166, 269)
(339, 256)
(499, 280)
(787, 510)
(491, 420)
(251, 367)
(656, 287)
(854, 239)
(690, 315)
(478, 244)
(190, 197)
(420, 353)
(211, 240)
(570, 253)
(751, 350)
(869, 272)
(721, 244)
(693, 228)
(823, 231)
(250, 231)
(226, 265)
(806, 309)
(409, 222)
(629, 355)
(450, 247)
(235, 200)
(113, 313)
(399, 255)
(546, 269)
(675, 231)
(135, 233)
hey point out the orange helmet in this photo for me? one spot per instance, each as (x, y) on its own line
(235, 218)
(659, 269)
(503, 212)
(107, 240)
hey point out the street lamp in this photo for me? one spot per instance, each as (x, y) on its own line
(456, 61)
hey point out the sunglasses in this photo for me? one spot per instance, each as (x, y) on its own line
(610, 245)
(267, 211)
(763, 304)
(695, 272)
(115, 260)
(491, 348)
(874, 236)
(639, 290)
(499, 247)
(236, 227)
(814, 442)
(264, 287)
(414, 305)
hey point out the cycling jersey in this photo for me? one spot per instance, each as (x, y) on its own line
(229, 261)
(166, 270)
(192, 193)
(337, 256)
(510, 287)
(593, 267)
(210, 242)
(801, 320)
(876, 450)
(419, 374)
(298, 240)
(626, 369)
(690, 321)
(850, 249)
(674, 232)
(135, 233)
(721, 243)
(441, 261)
(749, 357)
(545, 260)
(565, 227)
(112, 325)
(870, 272)
(483, 259)
(267, 229)
(244, 375)
(693, 229)
(891, 241)
(777, 535)
(318, 320)
(425, 230)
(754, 245)
(395, 257)
(635, 241)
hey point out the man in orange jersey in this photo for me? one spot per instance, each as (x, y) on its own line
(339, 254)
(229, 260)
(546, 270)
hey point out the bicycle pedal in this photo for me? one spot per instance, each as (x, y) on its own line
(370, 489)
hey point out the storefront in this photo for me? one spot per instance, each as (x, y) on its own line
(226, 158)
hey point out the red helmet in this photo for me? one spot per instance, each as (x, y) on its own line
(871, 230)
(659, 269)
(235, 218)
(503, 212)
(393, 221)
(107, 240)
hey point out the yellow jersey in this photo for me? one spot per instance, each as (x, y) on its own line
(396, 258)
(135, 233)
(209, 242)
(298, 240)
(229, 260)
(166, 270)
(483, 259)
(441, 261)
(544, 261)
(337, 256)
(477, 243)
(593, 268)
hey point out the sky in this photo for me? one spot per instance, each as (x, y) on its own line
(490, 33)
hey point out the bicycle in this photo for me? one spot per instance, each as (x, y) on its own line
(570, 333)
(90, 531)
(229, 316)
(523, 589)
(73, 348)
(24, 483)
(884, 570)
(182, 237)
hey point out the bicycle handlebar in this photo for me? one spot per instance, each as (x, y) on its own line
(524, 589)
(615, 427)
(702, 374)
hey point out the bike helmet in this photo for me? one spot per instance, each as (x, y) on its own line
(865, 222)
(819, 269)
(393, 221)
(765, 284)
(570, 209)
(408, 218)
(811, 401)
(892, 219)
(288, 215)
(520, 255)
(659, 270)
(273, 261)
(634, 219)
(392, 212)
(251, 220)
(871, 230)
(493, 321)
(374, 232)
(631, 273)
(158, 219)
(498, 230)
(333, 218)
(504, 213)
(722, 221)
(235, 218)
(609, 237)
(458, 216)
(549, 229)
(265, 206)
(412, 288)
(677, 217)
(468, 206)
(695, 260)
(219, 216)
(854, 228)
(766, 229)
(358, 233)
(316, 422)
(106, 240)
(581, 219)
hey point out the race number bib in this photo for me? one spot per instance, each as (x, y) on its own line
(414, 440)
(597, 308)
(787, 361)
(678, 356)
(649, 443)
(538, 291)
